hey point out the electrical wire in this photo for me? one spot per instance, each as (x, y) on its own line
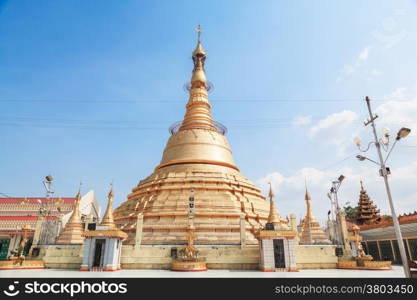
(249, 100)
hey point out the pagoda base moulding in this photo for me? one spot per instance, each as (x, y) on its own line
(189, 266)
(14, 264)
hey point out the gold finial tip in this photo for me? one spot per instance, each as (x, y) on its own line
(271, 193)
(199, 50)
(198, 30)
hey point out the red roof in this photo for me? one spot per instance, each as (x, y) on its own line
(23, 218)
(34, 200)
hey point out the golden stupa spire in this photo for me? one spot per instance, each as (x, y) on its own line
(273, 217)
(73, 230)
(108, 215)
(76, 217)
(198, 113)
(309, 215)
(311, 231)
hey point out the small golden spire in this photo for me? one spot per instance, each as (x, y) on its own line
(75, 217)
(108, 215)
(270, 194)
(273, 217)
(362, 189)
(73, 230)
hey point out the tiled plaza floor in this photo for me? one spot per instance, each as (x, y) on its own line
(396, 271)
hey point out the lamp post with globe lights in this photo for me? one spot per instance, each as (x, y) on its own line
(384, 171)
(335, 201)
(45, 212)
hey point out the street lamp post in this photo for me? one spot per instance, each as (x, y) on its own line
(333, 191)
(384, 172)
(45, 210)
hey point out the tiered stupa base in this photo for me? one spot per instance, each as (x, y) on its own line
(222, 198)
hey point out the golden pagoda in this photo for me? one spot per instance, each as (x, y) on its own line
(367, 213)
(311, 232)
(197, 157)
(73, 230)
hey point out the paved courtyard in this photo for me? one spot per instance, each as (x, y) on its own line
(396, 271)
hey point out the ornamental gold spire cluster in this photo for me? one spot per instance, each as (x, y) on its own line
(311, 232)
(73, 230)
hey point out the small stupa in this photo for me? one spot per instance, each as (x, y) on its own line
(73, 230)
(102, 247)
(311, 232)
(276, 242)
(274, 220)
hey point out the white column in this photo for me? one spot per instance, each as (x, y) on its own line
(86, 254)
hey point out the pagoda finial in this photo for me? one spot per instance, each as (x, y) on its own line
(199, 51)
(271, 193)
(307, 195)
(198, 113)
(273, 217)
(198, 29)
(108, 215)
(362, 189)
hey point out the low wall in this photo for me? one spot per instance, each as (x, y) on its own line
(315, 256)
(62, 256)
(217, 257)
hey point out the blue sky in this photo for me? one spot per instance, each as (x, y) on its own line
(89, 88)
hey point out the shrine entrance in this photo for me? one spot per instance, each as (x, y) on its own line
(279, 253)
(98, 253)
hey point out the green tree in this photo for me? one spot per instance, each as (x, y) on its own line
(351, 213)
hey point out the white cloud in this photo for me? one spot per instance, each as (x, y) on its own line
(349, 69)
(397, 114)
(337, 130)
(364, 54)
(301, 120)
(333, 122)
(375, 72)
(397, 94)
(290, 189)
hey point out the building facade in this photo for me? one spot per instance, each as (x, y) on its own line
(379, 239)
(16, 213)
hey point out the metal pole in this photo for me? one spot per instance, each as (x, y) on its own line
(337, 208)
(332, 207)
(391, 204)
